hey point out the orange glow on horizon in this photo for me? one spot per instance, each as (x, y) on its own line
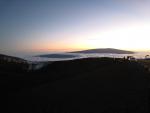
(132, 37)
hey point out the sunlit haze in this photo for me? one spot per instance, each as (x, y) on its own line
(67, 25)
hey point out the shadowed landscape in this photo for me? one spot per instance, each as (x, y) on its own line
(102, 85)
(75, 56)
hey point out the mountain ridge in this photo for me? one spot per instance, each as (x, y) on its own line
(104, 50)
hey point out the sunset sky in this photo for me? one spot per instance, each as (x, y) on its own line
(66, 25)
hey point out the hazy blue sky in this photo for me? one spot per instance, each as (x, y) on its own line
(55, 25)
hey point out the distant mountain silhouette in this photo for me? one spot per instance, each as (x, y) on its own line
(57, 56)
(105, 50)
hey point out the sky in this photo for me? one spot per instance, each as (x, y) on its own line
(67, 25)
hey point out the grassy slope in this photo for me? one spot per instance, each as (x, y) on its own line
(86, 85)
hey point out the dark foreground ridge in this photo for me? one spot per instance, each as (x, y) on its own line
(98, 85)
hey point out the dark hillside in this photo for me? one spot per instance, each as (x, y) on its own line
(12, 64)
(102, 85)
